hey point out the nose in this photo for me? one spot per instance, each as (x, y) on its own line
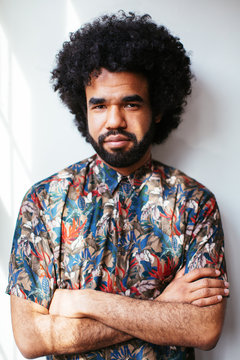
(115, 118)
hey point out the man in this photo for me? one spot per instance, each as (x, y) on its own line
(119, 256)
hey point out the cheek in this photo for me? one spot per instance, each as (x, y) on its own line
(94, 127)
(143, 127)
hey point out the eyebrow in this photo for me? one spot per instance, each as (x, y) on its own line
(96, 101)
(129, 98)
(133, 98)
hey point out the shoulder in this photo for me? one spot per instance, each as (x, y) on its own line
(57, 185)
(175, 180)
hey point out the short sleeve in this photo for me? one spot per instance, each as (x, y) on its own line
(31, 266)
(205, 247)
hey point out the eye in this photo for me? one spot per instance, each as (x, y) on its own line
(132, 106)
(99, 107)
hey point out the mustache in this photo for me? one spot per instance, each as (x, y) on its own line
(128, 135)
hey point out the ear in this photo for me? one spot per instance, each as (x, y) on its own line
(157, 118)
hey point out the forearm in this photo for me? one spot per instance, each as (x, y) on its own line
(159, 322)
(171, 319)
(39, 333)
(69, 336)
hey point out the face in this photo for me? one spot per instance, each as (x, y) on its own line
(119, 117)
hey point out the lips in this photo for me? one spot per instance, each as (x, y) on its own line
(116, 138)
(118, 141)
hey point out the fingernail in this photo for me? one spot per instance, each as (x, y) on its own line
(218, 272)
(219, 297)
(226, 283)
(226, 291)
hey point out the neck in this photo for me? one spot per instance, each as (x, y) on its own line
(130, 169)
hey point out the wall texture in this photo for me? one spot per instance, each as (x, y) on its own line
(37, 136)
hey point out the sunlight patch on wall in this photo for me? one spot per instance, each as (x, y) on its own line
(5, 147)
(21, 133)
(20, 115)
(16, 165)
(6, 352)
(4, 74)
(72, 19)
(5, 178)
(15, 129)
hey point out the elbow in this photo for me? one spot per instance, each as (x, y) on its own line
(211, 331)
(26, 323)
(210, 338)
(208, 345)
(29, 345)
(28, 355)
(28, 352)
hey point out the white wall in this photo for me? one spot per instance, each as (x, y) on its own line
(37, 136)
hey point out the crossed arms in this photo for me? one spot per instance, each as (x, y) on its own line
(189, 312)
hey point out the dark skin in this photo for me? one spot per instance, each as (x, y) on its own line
(120, 101)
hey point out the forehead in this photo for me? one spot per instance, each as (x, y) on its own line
(118, 84)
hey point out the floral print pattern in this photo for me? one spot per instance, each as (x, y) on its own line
(90, 227)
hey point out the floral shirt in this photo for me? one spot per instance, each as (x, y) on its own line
(90, 227)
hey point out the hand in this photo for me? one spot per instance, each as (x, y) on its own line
(199, 287)
(69, 303)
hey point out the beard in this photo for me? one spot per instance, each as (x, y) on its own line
(123, 158)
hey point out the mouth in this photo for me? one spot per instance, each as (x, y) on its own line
(117, 141)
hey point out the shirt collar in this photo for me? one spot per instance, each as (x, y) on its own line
(111, 178)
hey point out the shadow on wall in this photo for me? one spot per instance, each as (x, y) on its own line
(200, 123)
(200, 127)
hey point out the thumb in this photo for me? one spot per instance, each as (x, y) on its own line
(180, 273)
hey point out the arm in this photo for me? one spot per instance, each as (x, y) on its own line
(158, 322)
(171, 319)
(37, 333)
(32, 276)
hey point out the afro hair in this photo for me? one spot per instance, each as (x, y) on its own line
(125, 42)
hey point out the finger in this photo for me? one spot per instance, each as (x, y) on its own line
(208, 301)
(208, 283)
(207, 293)
(201, 273)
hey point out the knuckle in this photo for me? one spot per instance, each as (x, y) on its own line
(203, 271)
(215, 299)
(211, 300)
(207, 292)
(206, 282)
(200, 302)
(221, 283)
(199, 271)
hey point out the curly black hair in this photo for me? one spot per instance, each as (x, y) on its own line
(125, 42)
